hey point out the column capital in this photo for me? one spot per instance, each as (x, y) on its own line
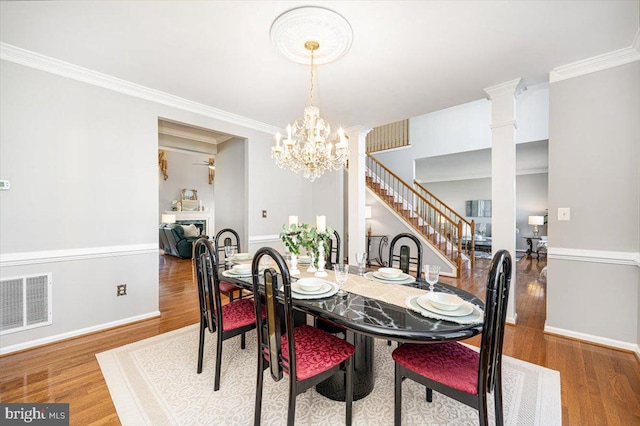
(512, 87)
(361, 131)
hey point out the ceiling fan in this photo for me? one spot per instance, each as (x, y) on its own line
(211, 163)
(212, 168)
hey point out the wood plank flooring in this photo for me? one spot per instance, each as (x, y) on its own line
(600, 386)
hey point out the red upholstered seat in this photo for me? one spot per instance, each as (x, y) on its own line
(227, 287)
(238, 314)
(316, 351)
(449, 363)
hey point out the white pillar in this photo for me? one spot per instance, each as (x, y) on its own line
(503, 176)
(356, 225)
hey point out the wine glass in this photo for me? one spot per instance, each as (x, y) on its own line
(229, 252)
(431, 275)
(341, 271)
(361, 259)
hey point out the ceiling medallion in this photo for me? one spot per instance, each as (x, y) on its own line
(291, 30)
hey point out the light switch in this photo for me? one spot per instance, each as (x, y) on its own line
(564, 213)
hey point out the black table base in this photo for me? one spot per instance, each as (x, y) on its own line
(363, 379)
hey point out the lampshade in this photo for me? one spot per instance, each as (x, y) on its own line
(367, 212)
(536, 220)
(168, 218)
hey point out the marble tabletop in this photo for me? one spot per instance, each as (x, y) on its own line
(379, 310)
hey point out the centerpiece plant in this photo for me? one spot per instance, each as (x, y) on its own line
(303, 236)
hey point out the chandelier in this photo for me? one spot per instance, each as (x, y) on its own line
(309, 146)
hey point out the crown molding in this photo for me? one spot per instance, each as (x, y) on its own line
(44, 63)
(512, 87)
(188, 135)
(598, 63)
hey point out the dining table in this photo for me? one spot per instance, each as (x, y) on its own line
(374, 307)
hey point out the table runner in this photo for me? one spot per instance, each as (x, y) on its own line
(395, 294)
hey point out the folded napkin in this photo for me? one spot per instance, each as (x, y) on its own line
(475, 317)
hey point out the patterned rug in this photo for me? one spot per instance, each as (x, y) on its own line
(154, 382)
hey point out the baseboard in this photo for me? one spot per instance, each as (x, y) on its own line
(598, 340)
(76, 333)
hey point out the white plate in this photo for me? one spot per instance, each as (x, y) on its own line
(242, 256)
(400, 277)
(407, 279)
(331, 292)
(231, 274)
(475, 317)
(463, 310)
(324, 288)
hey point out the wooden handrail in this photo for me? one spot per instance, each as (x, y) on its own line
(457, 216)
(432, 195)
(437, 225)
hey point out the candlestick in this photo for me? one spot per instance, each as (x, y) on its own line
(321, 262)
(321, 223)
(293, 220)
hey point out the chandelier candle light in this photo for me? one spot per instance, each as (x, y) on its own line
(308, 147)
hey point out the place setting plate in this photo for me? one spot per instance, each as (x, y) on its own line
(326, 289)
(231, 274)
(466, 314)
(401, 279)
(241, 256)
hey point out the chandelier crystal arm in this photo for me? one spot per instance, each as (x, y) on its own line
(309, 144)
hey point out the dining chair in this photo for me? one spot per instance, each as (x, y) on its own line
(334, 250)
(231, 238)
(234, 318)
(403, 259)
(306, 354)
(454, 369)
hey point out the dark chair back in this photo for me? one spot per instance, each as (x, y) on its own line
(334, 250)
(277, 306)
(206, 264)
(226, 237)
(403, 258)
(495, 315)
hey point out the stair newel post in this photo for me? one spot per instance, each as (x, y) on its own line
(473, 243)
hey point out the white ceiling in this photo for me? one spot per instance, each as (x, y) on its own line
(408, 57)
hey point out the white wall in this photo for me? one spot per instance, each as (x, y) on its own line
(82, 161)
(230, 189)
(467, 128)
(183, 174)
(594, 169)
(531, 199)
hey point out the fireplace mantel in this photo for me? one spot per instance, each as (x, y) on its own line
(187, 216)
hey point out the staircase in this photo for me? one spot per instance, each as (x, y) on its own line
(443, 228)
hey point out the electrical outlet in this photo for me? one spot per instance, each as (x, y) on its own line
(121, 290)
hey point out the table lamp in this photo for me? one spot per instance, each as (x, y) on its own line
(536, 221)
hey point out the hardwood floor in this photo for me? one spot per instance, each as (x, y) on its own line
(600, 386)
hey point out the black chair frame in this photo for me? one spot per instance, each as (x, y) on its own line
(334, 252)
(211, 305)
(277, 307)
(228, 241)
(404, 258)
(490, 368)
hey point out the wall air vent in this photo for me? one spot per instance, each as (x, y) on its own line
(25, 302)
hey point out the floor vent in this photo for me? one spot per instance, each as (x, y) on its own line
(25, 302)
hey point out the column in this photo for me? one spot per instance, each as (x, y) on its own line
(503, 176)
(356, 192)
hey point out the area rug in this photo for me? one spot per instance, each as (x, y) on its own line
(154, 382)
